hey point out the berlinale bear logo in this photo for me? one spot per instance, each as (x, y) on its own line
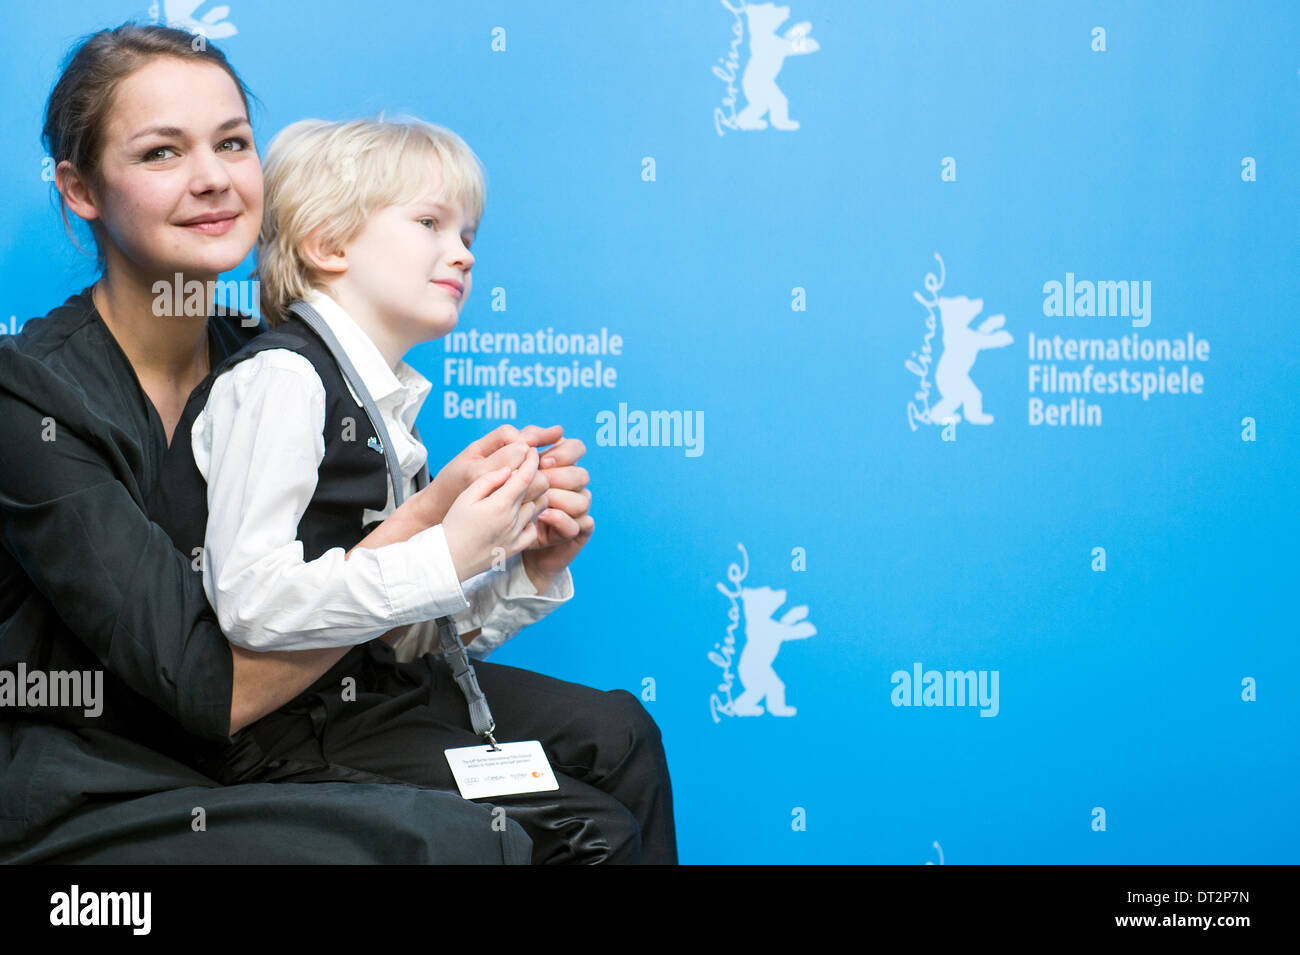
(961, 346)
(763, 638)
(767, 53)
(180, 14)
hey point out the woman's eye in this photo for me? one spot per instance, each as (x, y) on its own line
(153, 153)
(243, 143)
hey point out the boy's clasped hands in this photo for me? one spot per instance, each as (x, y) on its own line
(501, 496)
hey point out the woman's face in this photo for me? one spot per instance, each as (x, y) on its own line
(180, 183)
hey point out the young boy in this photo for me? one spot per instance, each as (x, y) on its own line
(278, 470)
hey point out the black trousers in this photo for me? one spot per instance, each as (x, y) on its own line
(372, 719)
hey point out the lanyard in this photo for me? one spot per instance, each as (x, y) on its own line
(452, 649)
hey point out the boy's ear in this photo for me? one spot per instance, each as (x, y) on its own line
(327, 260)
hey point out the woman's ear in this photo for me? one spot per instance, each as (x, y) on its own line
(323, 258)
(76, 191)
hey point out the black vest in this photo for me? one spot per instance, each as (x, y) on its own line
(352, 477)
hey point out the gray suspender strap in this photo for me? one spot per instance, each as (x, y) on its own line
(422, 475)
(453, 650)
(318, 325)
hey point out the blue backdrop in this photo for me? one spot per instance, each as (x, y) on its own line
(1016, 213)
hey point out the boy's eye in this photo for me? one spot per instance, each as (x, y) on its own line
(429, 219)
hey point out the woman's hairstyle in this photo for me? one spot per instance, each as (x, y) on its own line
(325, 179)
(78, 108)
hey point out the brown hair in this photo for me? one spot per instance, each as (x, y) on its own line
(80, 102)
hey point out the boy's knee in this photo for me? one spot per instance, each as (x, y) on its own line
(618, 836)
(632, 718)
(592, 828)
(624, 834)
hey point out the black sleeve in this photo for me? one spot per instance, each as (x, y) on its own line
(72, 517)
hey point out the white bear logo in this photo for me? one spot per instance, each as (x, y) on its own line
(767, 53)
(763, 638)
(180, 14)
(961, 344)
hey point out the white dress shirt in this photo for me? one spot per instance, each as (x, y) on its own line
(258, 443)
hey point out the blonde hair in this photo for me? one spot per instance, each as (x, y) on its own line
(328, 178)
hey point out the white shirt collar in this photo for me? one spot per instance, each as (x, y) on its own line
(400, 391)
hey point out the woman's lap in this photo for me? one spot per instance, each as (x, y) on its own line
(282, 823)
(384, 721)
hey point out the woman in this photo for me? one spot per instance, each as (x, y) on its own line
(153, 147)
(89, 397)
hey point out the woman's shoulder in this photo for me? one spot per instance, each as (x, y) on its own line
(65, 354)
(64, 367)
(57, 329)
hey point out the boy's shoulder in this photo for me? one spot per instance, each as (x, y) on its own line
(291, 346)
(232, 331)
(292, 335)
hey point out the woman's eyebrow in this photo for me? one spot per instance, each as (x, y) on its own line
(175, 131)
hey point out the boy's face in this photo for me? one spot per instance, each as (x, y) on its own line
(410, 268)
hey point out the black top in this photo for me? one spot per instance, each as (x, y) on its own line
(352, 477)
(87, 582)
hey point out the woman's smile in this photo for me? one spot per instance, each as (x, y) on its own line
(211, 226)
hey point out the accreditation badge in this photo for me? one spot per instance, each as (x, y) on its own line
(501, 770)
